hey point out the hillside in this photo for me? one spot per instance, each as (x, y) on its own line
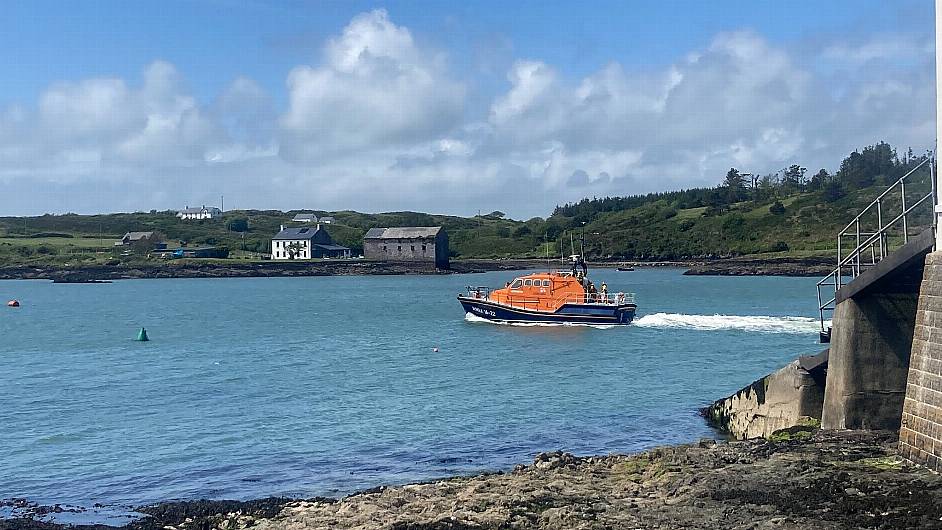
(779, 215)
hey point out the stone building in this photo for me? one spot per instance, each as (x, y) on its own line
(305, 243)
(408, 243)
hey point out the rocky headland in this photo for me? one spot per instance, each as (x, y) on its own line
(796, 479)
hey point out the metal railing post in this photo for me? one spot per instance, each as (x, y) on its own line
(857, 250)
(902, 187)
(880, 226)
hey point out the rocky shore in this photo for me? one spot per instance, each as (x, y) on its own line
(796, 479)
(814, 267)
(237, 269)
(246, 269)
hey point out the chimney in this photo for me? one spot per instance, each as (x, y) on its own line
(318, 226)
(282, 228)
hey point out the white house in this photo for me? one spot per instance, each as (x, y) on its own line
(327, 220)
(199, 213)
(305, 218)
(305, 243)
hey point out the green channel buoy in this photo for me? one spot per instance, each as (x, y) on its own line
(142, 336)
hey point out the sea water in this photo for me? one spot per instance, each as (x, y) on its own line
(327, 385)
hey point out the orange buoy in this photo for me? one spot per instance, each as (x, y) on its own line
(13, 303)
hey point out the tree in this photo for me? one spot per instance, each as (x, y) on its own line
(293, 249)
(735, 185)
(794, 177)
(833, 191)
(819, 179)
(496, 214)
(239, 225)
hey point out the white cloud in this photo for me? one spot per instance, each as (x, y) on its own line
(381, 123)
(377, 89)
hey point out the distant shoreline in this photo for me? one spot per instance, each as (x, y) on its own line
(237, 269)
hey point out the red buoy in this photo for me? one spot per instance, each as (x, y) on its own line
(13, 303)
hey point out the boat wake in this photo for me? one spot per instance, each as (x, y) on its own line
(470, 317)
(761, 324)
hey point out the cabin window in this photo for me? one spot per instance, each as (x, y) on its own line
(516, 284)
(413, 248)
(400, 248)
(384, 248)
(527, 283)
(546, 283)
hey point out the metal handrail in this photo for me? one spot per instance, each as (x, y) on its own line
(872, 241)
(609, 299)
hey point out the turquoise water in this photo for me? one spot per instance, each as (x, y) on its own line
(327, 385)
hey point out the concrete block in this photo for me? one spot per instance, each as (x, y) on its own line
(871, 341)
(774, 402)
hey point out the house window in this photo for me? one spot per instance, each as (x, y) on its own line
(400, 248)
(384, 248)
(413, 248)
(423, 248)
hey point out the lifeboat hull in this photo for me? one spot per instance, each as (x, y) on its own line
(607, 314)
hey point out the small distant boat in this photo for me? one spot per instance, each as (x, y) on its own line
(625, 269)
(13, 303)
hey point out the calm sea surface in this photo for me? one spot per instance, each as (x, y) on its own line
(323, 386)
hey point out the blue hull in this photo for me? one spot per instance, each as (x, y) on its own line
(568, 313)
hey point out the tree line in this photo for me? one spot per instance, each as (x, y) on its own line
(877, 164)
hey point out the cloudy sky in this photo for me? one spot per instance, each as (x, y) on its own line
(444, 107)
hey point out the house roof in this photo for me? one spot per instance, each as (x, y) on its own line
(199, 210)
(332, 247)
(305, 217)
(137, 236)
(327, 218)
(304, 232)
(403, 232)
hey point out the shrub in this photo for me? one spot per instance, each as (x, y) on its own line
(49, 234)
(779, 246)
(777, 208)
(833, 191)
(686, 224)
(523, 230)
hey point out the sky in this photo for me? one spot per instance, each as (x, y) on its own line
(442, 107)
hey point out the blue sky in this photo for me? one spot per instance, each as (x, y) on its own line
(447, 107)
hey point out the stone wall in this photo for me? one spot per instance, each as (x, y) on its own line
(921, 429)
(777, 401)
(871, 339)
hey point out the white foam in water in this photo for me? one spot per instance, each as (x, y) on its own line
(762, 324)
(470, 317)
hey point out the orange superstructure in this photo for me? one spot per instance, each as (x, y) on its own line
(541, 292)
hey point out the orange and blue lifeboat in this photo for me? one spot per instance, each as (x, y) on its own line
(552, 297)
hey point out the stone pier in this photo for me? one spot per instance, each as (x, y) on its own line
(921, 429)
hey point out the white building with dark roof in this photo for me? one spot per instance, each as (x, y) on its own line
(305, 218)
(199, 213)
(407, 243)
(305, 243)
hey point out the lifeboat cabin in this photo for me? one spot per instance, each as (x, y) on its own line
(554, 297)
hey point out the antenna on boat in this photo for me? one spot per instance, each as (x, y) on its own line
(546, 252)
(582, 242)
